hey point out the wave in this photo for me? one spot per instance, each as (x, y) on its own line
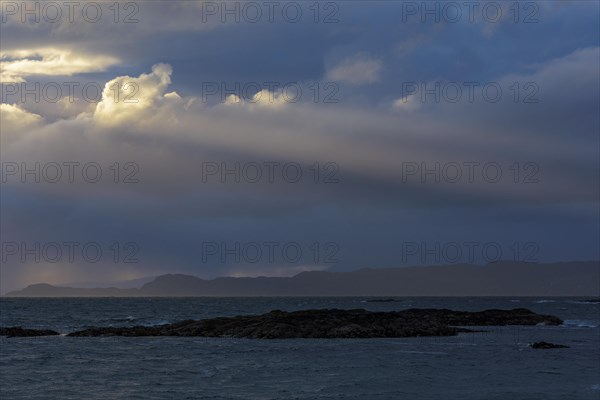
(588, 302)
(117, 320)
(156, 322)
(130, 320)
(578, 323)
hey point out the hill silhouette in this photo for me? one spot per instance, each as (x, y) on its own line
(496, 279)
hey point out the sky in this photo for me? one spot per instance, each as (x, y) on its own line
(270, 138)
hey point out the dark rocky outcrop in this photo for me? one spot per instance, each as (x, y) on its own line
(591, 301)
(20, 332)
(333, 324)
(546, 345)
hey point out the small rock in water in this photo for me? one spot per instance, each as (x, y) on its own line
(17, 331)
(592, 301)
(546, 345)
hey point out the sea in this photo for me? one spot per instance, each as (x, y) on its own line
(495, 364)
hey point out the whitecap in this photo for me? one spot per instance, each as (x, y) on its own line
(577, 323)
(155, 322)
(594, 303)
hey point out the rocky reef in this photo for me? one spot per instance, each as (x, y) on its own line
(334, 324)
(323, 324)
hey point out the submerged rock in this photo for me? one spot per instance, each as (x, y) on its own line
(20, 332)
(333, 324)
(546, 345)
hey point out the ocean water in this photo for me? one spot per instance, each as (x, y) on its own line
(496, 364)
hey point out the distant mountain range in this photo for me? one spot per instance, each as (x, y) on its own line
(495, 279)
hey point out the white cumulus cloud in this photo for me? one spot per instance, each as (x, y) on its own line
(127, 99)
(358, 69)
(15, 65)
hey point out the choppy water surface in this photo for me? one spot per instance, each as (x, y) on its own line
(496, 364)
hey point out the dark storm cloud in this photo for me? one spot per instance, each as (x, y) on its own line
(375, 136)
